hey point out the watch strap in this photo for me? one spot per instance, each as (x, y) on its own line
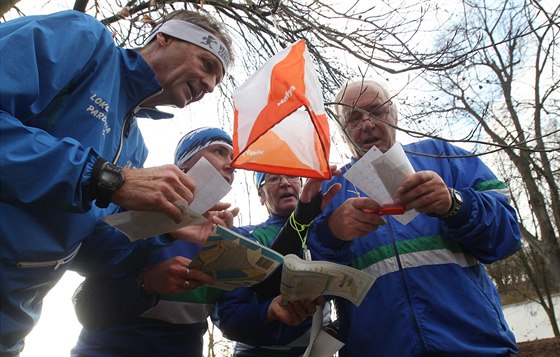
(455, 204)
(102, 191)
(94, 180)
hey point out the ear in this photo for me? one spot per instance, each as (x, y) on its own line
(262, 196)
(163, 40)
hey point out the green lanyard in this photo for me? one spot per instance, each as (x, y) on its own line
(301, 230)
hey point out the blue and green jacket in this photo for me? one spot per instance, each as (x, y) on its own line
(432, 294)
(118, 320)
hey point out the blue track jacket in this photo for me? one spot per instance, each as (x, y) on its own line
(431, 295)
(67, 97)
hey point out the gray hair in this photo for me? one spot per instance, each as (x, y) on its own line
(339, 108)
(382, 87)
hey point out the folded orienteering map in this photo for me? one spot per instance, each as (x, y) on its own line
(302, 279)
(234, 260)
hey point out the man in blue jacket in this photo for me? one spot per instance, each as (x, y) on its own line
(68, 103)
(432, 295)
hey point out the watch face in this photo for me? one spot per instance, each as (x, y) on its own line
(458, 196)
(110, 178)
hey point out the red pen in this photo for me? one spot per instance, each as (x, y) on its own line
(386, 211)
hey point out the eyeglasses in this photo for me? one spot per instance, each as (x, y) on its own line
(357, 118)
(274, 180)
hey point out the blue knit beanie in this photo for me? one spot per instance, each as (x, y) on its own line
(199, 139)
(259, 179)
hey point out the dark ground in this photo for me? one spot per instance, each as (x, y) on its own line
(547, 347)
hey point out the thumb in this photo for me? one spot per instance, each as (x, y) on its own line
(329, 195)
(235, 211)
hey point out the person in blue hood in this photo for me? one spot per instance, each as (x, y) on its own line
(125, 313)
(432, 295)
(68, 103)
(255, 317)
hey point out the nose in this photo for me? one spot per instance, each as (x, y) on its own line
(369, 120)
(227, 163)
(209, 83)
(285, 181)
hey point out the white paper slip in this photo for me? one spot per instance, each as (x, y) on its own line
(379, 175)
(321, 343)
(211, 187)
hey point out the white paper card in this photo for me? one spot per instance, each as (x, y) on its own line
(379, 175)
(211, 187)
(321, 343)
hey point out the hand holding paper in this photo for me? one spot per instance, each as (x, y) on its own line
(210, 188)
(379, 175)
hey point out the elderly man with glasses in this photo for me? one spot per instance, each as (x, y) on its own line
(432, 295)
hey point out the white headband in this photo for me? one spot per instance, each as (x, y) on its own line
(193, 34)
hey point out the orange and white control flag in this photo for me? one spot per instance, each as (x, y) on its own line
(280, 124)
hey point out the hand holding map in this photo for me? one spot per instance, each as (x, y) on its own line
(234, 260)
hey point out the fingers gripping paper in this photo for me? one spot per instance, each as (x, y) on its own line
(280, 124)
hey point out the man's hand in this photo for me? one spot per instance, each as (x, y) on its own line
(195, 233)
(350, 221)
(313, 187)
(155, 189)
(223, 218)
(294, 313)
(173, 276)
(426, 192)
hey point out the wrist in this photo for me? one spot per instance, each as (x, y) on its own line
(306, 212)
(106, 178)
(456, 204)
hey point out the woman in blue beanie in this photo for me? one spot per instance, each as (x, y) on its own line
(132, 319)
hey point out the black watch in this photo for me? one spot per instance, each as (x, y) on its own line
(106, 179)
(456, 203)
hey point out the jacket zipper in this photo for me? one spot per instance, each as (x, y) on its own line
(126, 126)
(124, 134)
(54, 263)
(406, 289)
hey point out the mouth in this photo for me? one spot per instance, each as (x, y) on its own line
(192, 92)
(371, 140)
(288, 195)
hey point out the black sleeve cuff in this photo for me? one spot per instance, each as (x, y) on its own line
(92, 186)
